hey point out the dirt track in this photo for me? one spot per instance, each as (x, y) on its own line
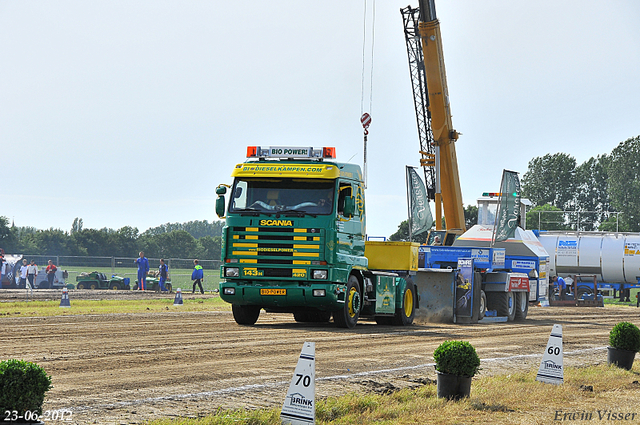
(128, 368)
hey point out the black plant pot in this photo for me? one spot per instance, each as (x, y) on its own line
(621, 358)
(453, 387)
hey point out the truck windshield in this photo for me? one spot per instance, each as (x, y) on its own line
(282, 195)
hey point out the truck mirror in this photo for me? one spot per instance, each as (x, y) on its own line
(349, 206)
(220, 204)
(221, 190)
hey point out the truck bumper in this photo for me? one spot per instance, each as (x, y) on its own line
(323, 296)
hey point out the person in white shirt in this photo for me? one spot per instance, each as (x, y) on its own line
(3, 269)
(32, 272)
(23, 274)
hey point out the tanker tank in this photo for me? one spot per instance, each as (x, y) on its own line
(614, 257)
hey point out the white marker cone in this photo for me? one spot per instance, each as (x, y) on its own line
(551, 369)
(299, 407)
(178, 299)
(64, 301)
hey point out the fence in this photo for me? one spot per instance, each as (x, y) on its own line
(179, 268)
(570, 220)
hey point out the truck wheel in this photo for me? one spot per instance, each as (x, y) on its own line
(80, 285)
(404, 315)
(312, 316)
(522, 305)
(347, 316)
(245, 314)
(504, 303)
(483, 305)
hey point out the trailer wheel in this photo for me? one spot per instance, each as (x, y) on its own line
(312, 316)
(80, 285)
(582, 291)
(404, 315)
(483, 305)
(522, 305)
(245, 314)
(347, 316)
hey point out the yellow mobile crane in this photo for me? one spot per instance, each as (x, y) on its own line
(433, 113)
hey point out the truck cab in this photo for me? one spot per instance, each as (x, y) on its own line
(294, 241)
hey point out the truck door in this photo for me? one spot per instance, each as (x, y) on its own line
(350, 230)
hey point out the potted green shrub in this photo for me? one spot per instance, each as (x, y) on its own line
(22, 388)
(624, 341)
(456, 363)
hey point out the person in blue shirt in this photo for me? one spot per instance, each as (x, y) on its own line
(562, 286)
(164, 274)
(143, 268)
(197, 276)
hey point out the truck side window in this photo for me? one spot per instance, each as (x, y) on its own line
(344, 190)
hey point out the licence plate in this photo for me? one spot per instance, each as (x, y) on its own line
(270, 291)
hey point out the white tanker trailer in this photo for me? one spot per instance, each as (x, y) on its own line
(613, 257)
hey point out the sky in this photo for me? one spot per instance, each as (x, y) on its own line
(130, 113)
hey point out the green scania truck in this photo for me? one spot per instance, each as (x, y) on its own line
(295, 242)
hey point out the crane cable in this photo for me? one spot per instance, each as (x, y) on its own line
(365, 118)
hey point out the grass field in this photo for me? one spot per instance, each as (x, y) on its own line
(599, 394)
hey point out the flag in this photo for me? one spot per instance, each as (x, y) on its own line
(508, 217)
(420, 218)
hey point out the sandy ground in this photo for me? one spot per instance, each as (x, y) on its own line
(129, 368)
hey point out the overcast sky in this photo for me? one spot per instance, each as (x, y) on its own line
(132, 112)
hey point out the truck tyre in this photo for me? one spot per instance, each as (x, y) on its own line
(504, 303)
(347, 316)
(312, 316)
(245, 314)
(522, 305)
(80, 285)
(483, 305)
(405, 314)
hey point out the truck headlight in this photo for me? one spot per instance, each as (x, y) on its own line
(231, 272)
(229, 291)
(319, 274)
(319, 293)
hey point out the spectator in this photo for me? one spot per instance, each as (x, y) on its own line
(143, 268)
(32, 272)
(23, 274)
(3, 269)
(197, 276)
(51, 273)
(164, 274)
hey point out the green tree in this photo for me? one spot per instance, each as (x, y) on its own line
(209, 247)
(402, 234)
(591, 179)
(624, 182)
(470, 216)
(551, 180)
(7, 236)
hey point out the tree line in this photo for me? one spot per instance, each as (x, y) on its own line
(566, 195)
(194, 239)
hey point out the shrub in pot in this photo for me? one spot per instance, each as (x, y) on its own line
(456, 363)
(624, 341)
(22, 388)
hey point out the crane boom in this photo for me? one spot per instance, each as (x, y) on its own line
(448, 194)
